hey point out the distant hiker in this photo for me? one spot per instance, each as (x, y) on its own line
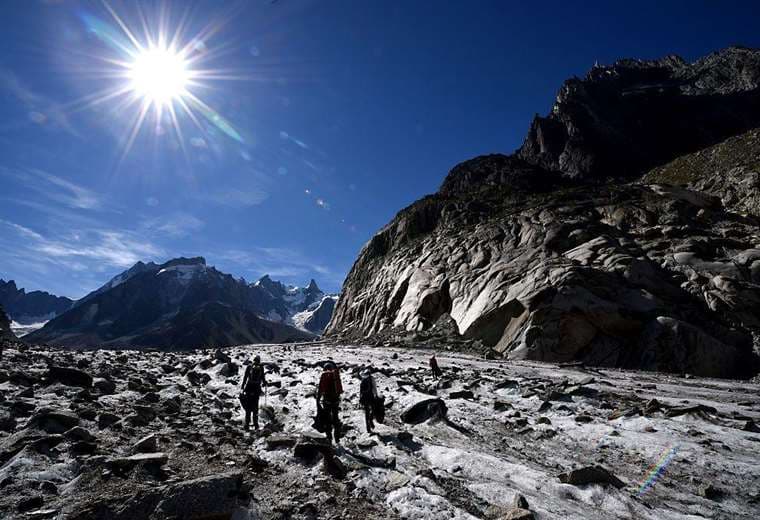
(253, 380)
(437, 372)
(328, 396)
(367, 398)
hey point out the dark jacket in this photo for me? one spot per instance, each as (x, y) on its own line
(367, 391)
(254, 379)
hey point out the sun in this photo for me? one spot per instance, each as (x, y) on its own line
(159, 75)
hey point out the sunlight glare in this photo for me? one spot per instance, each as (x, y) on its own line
(159, 75)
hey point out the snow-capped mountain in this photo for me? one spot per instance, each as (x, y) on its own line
(182, 303)
(295, 305)
(187, 303)
(119, 279)
(317, 316)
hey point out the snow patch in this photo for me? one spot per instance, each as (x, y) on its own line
(21, 330)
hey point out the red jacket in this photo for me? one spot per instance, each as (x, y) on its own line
(330, 385)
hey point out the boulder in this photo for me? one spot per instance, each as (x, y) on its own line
(214, 496)
(69, 376)
(517, 513)
(424, 410)
(124, 464)
(198, 378)
(80, 434)
(591, 475)
(53, 421)
(104, 386)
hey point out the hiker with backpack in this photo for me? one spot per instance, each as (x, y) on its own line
(434, 368)
(253, 381)
(328, 400)
(368, 399)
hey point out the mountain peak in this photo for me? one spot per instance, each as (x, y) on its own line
(313, 287)
(11, 284)
(197, 260)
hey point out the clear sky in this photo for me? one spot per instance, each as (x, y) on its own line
(309, 124)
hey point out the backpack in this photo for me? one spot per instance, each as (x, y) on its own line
(330, 385)
(255, 376)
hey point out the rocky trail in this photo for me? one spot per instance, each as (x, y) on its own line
(128, 434)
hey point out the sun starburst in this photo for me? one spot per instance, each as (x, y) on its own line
(157, 74)
(160, 75)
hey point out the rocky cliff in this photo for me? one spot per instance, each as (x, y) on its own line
(626, 118)
(31, 307)
(532, 256)
(5, 326)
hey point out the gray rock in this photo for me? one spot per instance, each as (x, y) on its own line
(278, 441)
(106, 419)
(517, 513)
(148, 444)
(148, 459)
(54, 421)
(531, 265)
(424, 410)
(104, 386)
(213, 496)
(80, 434)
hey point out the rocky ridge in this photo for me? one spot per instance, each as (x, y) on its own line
(623, 119)
(31, 307)
(531, 257)
(182, 303)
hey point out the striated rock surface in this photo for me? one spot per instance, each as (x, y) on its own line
(537, 264)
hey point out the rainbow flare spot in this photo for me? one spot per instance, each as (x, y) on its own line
(657, 469)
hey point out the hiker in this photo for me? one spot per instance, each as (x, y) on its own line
(253, 380)
(437, 372)
(367, 398)
(328, 395)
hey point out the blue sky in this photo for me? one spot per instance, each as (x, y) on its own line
(334, 115)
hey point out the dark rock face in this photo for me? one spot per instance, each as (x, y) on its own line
(626, 118)
(31, 307)
(181, 304)
(729, 170)
(533, 265)
(5, 326)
